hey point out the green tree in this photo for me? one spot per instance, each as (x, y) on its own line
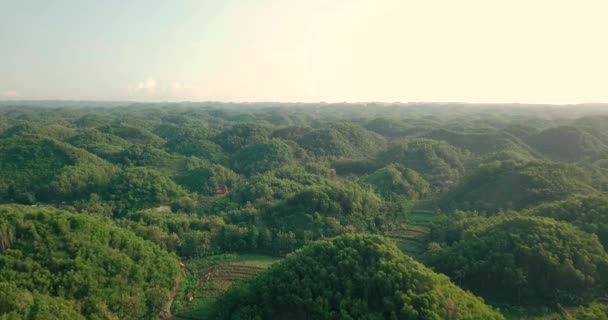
(527, 261)
(350, 277)
(258, 158)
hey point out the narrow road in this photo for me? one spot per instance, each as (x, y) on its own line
(165, 313)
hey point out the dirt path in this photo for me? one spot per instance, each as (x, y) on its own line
(165, 313)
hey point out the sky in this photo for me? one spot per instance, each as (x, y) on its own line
(528, 51)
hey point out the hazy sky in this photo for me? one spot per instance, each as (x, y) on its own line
(538, 51)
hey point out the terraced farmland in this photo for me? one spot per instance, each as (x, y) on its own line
(409, 236)
(210, 277)
(409, 239)
(219, 279)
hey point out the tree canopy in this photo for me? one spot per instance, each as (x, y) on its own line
(34, 168)
(503, 185)
(589, 213)
(59, 265)
(468, 189)
(395, 180)
(258, 158)
(350, 277)
(566, 143)
(527, 261)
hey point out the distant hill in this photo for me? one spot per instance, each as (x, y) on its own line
(436, 161)
(261, 157)
(399, 128)
(342, 140)
(482, 142)
(596, 125)
(566, 143)
(395, 180)
(510, 185)
(104, 145)
(56, 131)
(134, 134)
(35, 168)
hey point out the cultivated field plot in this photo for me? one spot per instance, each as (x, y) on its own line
(409, 238)
(414, 227)
(208, 278)
(219, 279)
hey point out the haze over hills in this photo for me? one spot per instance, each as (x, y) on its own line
(249, 160)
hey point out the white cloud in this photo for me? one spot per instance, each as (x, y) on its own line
(152, 89)
(147, 86)
(10, 94)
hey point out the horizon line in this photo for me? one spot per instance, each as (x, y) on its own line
(300, 102)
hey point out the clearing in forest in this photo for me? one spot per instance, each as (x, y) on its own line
(409, 235)
(208, 278)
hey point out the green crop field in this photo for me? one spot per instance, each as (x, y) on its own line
(420, 218)
(208, 278)
(409, 236)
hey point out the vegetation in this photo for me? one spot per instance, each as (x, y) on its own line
(342, 140)
(589, 213)
(353, 276)
(508, 201)
(56, 264)
(33, 168)
(258, 158)
(481, 142)
(532, 260)
(508, 185)
(396, 180)
(436, 161)
(208, 278)
(567, 143)
(137, 188)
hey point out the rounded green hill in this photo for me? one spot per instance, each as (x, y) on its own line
(350, 277)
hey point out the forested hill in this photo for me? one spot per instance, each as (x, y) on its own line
(376, 280)
(100, 202)
(56, 264)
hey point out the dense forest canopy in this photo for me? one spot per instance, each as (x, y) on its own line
(531, 260)
(55, 262)
(351, 277)
(99, 202)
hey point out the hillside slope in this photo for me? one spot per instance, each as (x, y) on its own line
(350, 277)
(60, 265)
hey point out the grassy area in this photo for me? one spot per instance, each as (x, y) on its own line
(414, 226)
(257, 260)
(559, 313)
(420, 218)
(410, 247)
(209, 277)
